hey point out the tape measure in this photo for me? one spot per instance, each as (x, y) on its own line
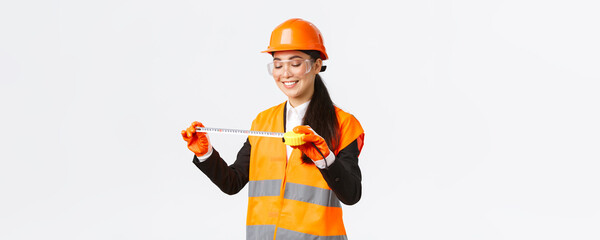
(290, 138)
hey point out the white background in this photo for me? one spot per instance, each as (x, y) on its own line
(481, 117)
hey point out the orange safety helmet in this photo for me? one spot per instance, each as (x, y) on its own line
(297, 34)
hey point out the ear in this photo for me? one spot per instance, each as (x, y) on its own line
(317, 66)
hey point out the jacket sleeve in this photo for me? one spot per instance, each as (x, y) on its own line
(343, 175)
(230, 179)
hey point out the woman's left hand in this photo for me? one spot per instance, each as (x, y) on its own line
(310, 136)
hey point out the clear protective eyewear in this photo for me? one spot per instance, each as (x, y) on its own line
(279, 66)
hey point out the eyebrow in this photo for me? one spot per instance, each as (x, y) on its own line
(292, 57)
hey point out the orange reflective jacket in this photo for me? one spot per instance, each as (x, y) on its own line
(290, 199)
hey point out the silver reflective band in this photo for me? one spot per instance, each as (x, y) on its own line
(264, 188)
(311, 194)
(283, 233)
(260, 232)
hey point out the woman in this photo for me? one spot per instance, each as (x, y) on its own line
(294, 192)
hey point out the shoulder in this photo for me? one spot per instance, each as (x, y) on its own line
(266, 118)
(350, 129)
(346, 119)
(272, 110)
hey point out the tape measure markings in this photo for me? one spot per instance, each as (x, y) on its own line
(239, 132)
(290, 138)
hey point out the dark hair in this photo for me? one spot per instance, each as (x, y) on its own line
(320, 114)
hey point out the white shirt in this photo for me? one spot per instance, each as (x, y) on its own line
(294, 118)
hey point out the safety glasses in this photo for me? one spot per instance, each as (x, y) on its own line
(298, 66)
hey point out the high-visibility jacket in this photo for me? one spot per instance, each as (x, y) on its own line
(289, 199)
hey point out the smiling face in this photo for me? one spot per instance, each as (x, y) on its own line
(295, 76)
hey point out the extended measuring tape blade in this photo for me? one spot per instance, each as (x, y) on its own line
(239, 132)
(290, 138)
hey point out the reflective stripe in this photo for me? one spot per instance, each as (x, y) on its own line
(264, 188)
(310, 194)
(284, 234)
(260, 232)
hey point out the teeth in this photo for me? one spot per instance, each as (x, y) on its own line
(289, 83)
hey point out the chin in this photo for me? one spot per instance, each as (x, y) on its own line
(290, 95)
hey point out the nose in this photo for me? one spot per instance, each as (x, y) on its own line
(286, 71)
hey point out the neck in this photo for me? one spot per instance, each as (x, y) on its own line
(295, 102)
(299, 100)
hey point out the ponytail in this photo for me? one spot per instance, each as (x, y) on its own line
(320, 114)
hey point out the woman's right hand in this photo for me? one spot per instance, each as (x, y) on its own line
(197, 142)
